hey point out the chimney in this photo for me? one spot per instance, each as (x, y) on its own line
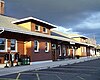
(2, 3)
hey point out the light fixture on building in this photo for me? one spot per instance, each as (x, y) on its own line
(1, 30)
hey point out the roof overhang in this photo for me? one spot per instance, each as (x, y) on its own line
(1, 30)
(35, 19)
(84, 37)
(46, 36)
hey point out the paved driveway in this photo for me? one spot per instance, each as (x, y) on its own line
(89, 70)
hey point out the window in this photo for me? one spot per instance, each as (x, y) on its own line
(37, 28)
(53, 46)
(82, 49)
(36, 46)
(3, 44)
(82, 40)
(85, 49)
(47, 47)
(13, 45)
(44, 30)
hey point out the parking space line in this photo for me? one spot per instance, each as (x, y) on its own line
(59, 77)
(27, 73)
(50, 72)
(18, 76)
(37, 76)
(81, 78)
(7, 79)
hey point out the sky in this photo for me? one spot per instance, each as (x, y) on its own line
(71, 16)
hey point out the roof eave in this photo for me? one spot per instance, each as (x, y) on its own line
(46, 36)
(32, 18)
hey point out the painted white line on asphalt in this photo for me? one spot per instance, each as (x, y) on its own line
(81, 78)
(37, 76)
(58, 77)
(7, 79)
(18, 76)
(27, 73)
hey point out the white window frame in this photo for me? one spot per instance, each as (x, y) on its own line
(85, 49)
(64, 50)
(82, 49)
(15, 46)
(60, 49)
(37, 46)
(38, 27)
(45, 30)
(53, 46)
(47, 45)
(5, 50)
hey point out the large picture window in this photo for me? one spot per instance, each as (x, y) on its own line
(36, 46)
(13, 45)
(2, 44)
(47, 47)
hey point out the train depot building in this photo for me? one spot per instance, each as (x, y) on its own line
(31, 38)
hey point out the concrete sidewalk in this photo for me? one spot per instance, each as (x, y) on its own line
(12, 70)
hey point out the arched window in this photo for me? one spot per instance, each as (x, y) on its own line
(36, 46)
(13, 45)
(47, 47)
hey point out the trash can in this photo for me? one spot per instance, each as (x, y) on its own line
(19, 61)
(27, 61)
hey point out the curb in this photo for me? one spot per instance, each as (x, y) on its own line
(19, 69)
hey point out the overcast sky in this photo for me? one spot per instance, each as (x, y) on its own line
(79, 16)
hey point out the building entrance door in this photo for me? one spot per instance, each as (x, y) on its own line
(54, 52)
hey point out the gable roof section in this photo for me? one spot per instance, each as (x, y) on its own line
(58, 33)
(5, 22)
(71, 36)
(77, 36)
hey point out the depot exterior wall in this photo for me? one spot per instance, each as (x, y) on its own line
(81, 52)
(41, 55)
(25, 46)
(20, 49)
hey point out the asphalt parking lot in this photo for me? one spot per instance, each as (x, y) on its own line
(89, 70)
